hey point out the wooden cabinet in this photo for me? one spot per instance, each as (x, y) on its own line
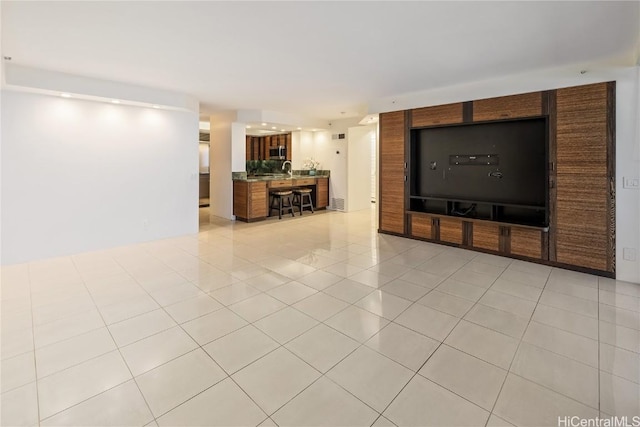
(486, 236)
(250, 200)
(423, 226)
(526, 242)
(322, 193)
(438, 115)
(508, 107)
(451, 230)
(580, 210)
(584, 231)
(280, 183)
(392, 172)
(257, 147)
(500, 238)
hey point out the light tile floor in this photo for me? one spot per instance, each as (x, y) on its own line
(316, 320)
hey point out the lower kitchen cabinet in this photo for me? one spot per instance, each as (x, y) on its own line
(322, 193)
(250, 200)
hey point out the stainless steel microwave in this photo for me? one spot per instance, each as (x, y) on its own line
(278, 153)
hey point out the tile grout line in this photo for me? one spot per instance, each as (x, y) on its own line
(436, 349)
(214, 361)
(352, 304)
(114, 341)
(515, 354)
(33, 341)
(599, 364)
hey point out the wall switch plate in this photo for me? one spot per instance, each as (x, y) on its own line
(630, 182)
(629, 254)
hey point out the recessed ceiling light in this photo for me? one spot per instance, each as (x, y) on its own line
(115, 101)
(264, 124)
(299, 128)
(281, 130)
(65, 95)
(248, 127)
(156, 106)
(313, 130)
(273, 127)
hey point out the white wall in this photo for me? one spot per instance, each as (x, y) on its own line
(333, 155)
(227, 154)
(359, 167)
(81, 175)
(203, 157)
(220, 152)
(627, 133)
(239, 147)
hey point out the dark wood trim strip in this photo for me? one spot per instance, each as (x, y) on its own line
(549, 108)
(379, 171)
(544, 241)
(611, 173)
(467, 112)
(467, 236)
(407, 165)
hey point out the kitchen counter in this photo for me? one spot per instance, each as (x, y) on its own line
(242, 176)
(251, 194)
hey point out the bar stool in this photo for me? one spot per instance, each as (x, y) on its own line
(299, 195)
(278, 199)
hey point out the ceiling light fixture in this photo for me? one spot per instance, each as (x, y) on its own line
(65, 95)
(273, 127)
(299, 128)
(156, 106)
(115, 101)
(281, 130)
(248, 127)
(264, 124)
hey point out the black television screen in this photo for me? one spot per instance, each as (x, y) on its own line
(496, 162)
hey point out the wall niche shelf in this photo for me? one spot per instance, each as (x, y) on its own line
(508, 214)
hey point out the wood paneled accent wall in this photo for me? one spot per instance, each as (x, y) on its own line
(392, 171)
(438, 115)
(581, 149)
(507, 107)
(584, 212)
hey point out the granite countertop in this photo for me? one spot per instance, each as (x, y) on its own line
(242, 176)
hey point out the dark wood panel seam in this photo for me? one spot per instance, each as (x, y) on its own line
(467, 112)
(407, 165)
(611, 172)
(380, 180)
(550, 109)
(544, 242)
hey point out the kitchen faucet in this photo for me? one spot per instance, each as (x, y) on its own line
(284, 166)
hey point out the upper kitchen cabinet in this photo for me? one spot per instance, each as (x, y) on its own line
(270, 147)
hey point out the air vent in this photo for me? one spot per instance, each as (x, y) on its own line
(204, 137)
(338, 136)
(337, 204)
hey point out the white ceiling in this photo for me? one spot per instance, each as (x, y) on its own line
(321, 59)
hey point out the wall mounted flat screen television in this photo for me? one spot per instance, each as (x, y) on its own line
(501, 162)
